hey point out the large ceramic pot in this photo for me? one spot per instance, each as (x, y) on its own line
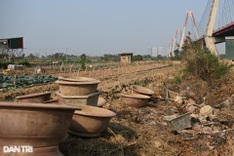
(135, 100)
(142, 90)
(35, 124)
(34, 98)
(76, 88)
(90, 121)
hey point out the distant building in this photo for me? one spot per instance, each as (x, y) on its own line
(126, 57)
(12, 46)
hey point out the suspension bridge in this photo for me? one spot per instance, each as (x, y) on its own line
(216, 26)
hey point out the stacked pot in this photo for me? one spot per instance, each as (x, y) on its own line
(79, 90)
(82, 92)
(139, 96)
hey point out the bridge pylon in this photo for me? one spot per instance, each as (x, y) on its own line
(209, 40)
(189, 14)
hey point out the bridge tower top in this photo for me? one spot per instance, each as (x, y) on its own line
(210, 27)
(189, 14)
(212, 17)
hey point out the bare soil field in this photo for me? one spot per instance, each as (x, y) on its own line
(144, 131)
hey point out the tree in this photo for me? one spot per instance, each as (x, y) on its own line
(137, 58)
(31, 56)
(83, 57)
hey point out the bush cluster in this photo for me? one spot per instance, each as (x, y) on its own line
(25, 63)
(203, 64)
(3, 65)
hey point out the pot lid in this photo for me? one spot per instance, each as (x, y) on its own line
(143, 90)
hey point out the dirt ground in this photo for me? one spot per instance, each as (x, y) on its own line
(144, 131)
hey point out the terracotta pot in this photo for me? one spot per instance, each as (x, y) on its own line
(142, 90)
(36, 124)
(90, 99)
(135, 100)
(90, 121)
(34, 98)
(39, 151)
(70, 88)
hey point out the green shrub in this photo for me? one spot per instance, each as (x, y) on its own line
(202, 64)
(3, 65)
(137, 58)
(176, 80)
(25, 63)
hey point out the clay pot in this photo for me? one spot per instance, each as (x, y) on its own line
(35, 124)
(90, 99)
(142, 90)
(90, 121)
(38, 151)
(76, 88)
(135, 100)
(34, 98)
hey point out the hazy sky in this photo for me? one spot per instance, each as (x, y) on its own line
(95, 27)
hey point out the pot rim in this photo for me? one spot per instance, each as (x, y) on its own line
(136, 96)
(82, 112)
(32, 95)
(144, 90)
(76, 79)
(36, 105)
(77, 82)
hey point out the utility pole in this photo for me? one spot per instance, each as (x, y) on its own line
(66, 55)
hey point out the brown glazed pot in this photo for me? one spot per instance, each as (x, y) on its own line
(90, 121)
(34, 98)
(142, 90)
(38, 151)
(70, 88)
(135, 100)
(35, 124)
